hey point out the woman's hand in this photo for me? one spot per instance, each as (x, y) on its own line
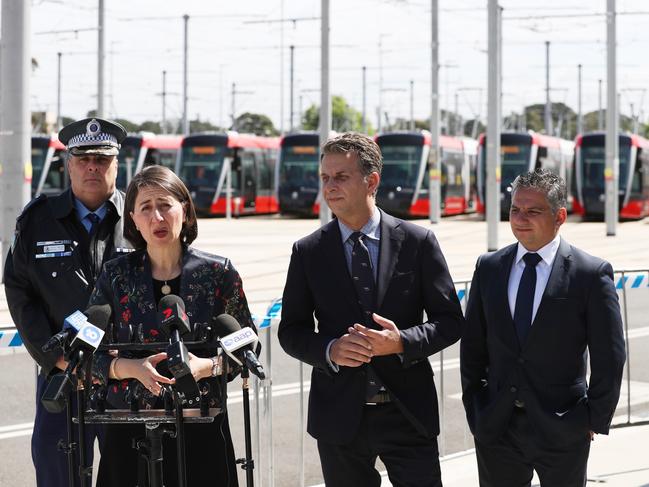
(200, 367)
(144, 371)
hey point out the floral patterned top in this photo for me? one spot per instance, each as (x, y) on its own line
(209, 286)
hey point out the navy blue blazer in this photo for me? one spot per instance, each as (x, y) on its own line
(579, 315)
(412, 278)
(209, 286)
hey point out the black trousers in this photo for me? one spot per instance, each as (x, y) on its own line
(411, 459)
(51, 464)
(511, 461)
(208, 450)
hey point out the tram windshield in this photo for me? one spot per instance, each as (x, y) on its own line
(129, 153)
(201, 165)
(299, 166)
(40, 147)
(593, 161)
(400, 165)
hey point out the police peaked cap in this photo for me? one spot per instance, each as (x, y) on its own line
(92, 136)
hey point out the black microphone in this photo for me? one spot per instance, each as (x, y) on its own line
(73, 323)
(239, 343)
(175, 324)
(88, 337)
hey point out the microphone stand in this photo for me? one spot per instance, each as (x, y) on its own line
(85, 472)
(69, 446)
(247, 463)
(180, 441)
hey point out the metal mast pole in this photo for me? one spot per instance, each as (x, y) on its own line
(548, 103)
(364, 116)
(379, 122)
(164, 102)
(185, 52)
(492, 185)
(233, 105)
(100, 60)
(600, 115)
(434, 194)
(15, 117)
(611, 172)
(412, 105)
(59, 123)
(580, 120)
(325, 97)
(290, 116)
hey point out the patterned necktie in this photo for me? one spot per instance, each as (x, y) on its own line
(94, 223)
(525, 297)
(363, 279)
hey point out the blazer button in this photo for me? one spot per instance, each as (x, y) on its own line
(513, 389)
(521, 360)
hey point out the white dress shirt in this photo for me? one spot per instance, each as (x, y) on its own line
(543, 268)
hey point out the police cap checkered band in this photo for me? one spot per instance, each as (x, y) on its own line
(92, 136)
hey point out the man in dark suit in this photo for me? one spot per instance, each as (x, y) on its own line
(536, 310)
(367, 278)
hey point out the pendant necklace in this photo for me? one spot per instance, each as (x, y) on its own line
(166, 289)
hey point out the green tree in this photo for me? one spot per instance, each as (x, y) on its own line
(128, 125)
(202, 126)
(344, 118)
(150, 126)
(255, 123)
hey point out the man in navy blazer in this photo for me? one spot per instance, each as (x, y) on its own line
(366, 278)
(537, 309)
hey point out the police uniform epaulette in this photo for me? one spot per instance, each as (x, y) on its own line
(41, 198)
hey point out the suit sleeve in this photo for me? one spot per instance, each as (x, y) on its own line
(606, 349)
(25, 304)
(474, 356)
(443, 311)
(297, 334)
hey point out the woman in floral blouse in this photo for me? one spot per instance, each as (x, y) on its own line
(160, 221)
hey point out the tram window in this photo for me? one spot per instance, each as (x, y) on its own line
(638, 176)
(264, 172)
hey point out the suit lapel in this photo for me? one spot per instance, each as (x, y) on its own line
(391, 238)
(556, 287)
(336, 264)
(500, 297)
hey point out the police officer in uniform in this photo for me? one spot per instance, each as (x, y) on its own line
(59, 247)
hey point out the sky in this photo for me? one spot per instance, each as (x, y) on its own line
(240, 42)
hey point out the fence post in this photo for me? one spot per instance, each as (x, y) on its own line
(628, 353)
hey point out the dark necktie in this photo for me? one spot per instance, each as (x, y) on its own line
(363, 279)
(94, 223)
(525, 297)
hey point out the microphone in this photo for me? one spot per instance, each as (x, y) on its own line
(239, 343)
(175, 324)
(88, 337)
(92, 331)
(71, 325)
(173, 318)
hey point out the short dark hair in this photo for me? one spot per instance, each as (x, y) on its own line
(160, 177)
(546, 182)
(369, 154)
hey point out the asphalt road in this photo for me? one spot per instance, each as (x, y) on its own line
(260, 249)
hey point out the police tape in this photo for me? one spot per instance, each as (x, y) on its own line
(11, 339)
(633, 281)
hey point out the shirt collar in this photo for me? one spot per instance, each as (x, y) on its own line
(372, 229)
(547, 252)
(83, 212)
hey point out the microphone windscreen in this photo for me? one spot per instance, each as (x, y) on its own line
(226, 324)
(170, 300)
(99, 315)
